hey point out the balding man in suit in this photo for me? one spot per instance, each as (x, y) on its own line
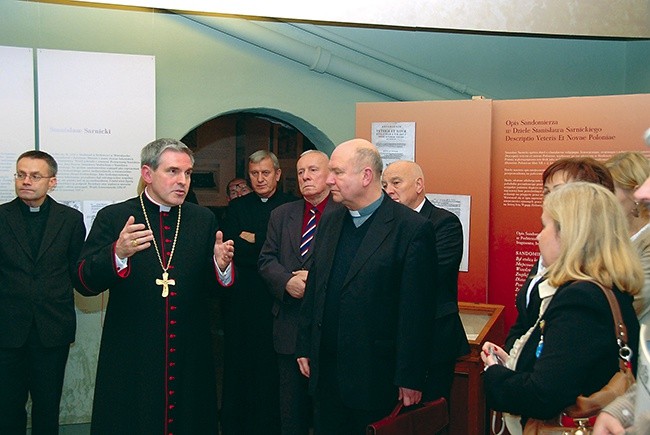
(403, 181)
(366, 321)
(284, 262)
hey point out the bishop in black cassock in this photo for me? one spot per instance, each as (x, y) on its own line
(155, 372)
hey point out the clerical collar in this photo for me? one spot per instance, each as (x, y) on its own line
(362, 215)
(265, 199)
(163, 208)
(30, 209)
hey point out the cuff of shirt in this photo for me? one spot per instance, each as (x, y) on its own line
(225, 277)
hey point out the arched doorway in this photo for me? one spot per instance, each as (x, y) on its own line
(222, 145)
(221, 148)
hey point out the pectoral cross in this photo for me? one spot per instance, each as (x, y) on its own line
(165, 282)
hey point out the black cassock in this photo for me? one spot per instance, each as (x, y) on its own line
(250, 400)
(156, 371)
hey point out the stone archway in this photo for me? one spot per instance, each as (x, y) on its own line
(222, 146)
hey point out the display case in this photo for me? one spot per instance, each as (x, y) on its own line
(468, 413)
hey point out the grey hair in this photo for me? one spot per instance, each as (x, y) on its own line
(304, 153)
(150, 154)
(369, 156)
(260, 155)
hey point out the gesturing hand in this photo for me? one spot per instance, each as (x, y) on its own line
(133, 238)
(223, 251)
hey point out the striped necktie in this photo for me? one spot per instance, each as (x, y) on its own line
(308, 234)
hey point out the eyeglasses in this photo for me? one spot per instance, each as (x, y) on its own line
(34, 177)
(238, 187)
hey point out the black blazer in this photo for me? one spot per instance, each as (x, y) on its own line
(280, 256)
(386, 306)
(450, 340)
(39, 289)
(579, 355)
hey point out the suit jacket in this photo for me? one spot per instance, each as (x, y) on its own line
(38, 289)
(386, 305)
(280, 256)
(450, 340)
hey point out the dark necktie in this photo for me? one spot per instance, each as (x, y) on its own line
(308, 234)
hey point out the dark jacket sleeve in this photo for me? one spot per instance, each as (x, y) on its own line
(96, 269)
(303, 340)
(76, 244)
(416, 303)
(449, 250)
(449, 333)
(274, 273)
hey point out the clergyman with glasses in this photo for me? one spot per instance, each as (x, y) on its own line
(40, 241)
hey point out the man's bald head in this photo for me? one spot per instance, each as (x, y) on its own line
(355, 174)
(403, 181)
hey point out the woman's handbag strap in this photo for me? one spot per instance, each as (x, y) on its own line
(624, 352)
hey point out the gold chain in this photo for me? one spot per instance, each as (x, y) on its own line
(155, 245)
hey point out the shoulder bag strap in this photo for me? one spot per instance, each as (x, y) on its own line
(624, 352)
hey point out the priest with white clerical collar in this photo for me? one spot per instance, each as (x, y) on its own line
(160, 256)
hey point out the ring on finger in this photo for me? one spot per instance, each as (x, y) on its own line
(134, 242)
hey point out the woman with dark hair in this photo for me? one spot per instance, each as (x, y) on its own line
(571, 169)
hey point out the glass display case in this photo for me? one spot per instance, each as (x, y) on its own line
(468, 413)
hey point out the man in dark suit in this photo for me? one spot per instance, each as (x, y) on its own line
(250, 381)
(40, 241)
(284, 262)
(367, 318)
(403, 181)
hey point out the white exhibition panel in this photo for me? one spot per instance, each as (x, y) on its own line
(16, 113)
(96, 112)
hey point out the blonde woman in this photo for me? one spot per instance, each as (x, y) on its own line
(629, 171)
(572, 348)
